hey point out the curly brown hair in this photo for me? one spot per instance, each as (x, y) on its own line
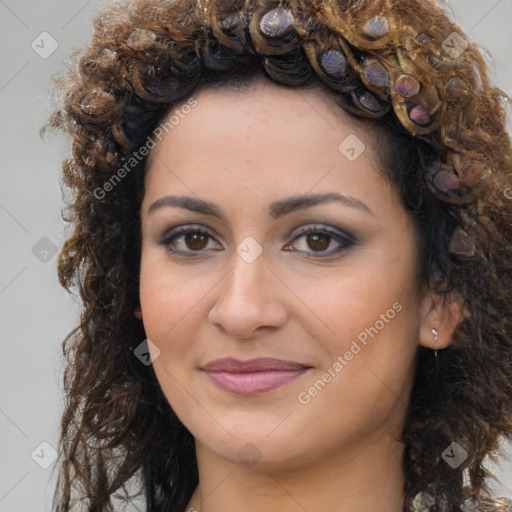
(449, 156)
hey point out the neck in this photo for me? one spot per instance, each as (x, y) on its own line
(369, 478)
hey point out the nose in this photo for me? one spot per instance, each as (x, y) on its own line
(250, 300)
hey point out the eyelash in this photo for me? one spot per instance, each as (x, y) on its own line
(346, 239)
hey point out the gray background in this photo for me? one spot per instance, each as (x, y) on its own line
(36, 312)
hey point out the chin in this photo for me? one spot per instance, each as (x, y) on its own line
(252, 450)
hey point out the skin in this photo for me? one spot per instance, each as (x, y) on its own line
(243, 150)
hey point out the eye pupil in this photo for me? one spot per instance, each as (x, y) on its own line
(315, 237)
(192, 238)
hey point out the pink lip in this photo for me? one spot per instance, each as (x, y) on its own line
(252, 377)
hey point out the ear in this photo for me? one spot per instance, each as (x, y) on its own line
(442, 313)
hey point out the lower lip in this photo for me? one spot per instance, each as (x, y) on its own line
(253, 383)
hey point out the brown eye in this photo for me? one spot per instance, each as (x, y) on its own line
(319, 241)
(319, 238)
(186, 240)
(196, 241)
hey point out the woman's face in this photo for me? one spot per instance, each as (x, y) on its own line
(340, 304)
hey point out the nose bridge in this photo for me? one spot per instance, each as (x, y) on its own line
(246, 279)
(247, 299)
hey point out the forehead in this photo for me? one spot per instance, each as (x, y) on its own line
(265, 123)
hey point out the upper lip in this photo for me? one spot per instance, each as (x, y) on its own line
(229, 364)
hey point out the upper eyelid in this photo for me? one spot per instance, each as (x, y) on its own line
(319, 226)
(322, 228)
(295, 233)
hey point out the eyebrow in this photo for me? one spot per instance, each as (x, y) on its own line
(277, 209)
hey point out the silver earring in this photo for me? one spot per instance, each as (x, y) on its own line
(436, 336)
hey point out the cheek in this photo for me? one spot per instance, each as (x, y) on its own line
(372, 325)
(169, 297)
(170, 303)
(370, 318)
(373, 292)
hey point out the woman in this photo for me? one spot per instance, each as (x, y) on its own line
(292, 241)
